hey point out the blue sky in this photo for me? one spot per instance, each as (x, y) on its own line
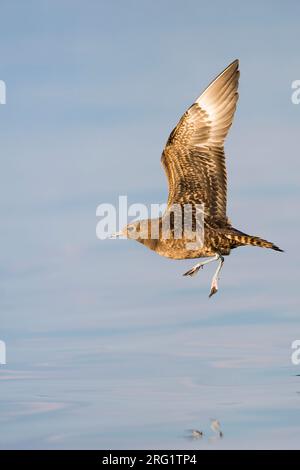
(93, 91)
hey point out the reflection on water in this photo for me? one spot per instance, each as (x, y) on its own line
(216, 427)
(195, 434)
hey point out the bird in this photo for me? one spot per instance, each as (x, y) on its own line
(194, 163)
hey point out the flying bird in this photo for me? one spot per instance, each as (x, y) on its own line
(194, 162)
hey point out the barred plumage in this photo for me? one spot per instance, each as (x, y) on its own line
(194, 162)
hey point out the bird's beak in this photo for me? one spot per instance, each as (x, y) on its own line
(116, 235)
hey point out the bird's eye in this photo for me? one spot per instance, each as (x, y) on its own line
(130, 229)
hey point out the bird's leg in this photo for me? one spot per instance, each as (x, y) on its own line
(214, 282)
(195, 269)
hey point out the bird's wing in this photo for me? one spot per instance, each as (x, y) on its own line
(194, 158)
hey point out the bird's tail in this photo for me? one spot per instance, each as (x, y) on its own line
(243, 239)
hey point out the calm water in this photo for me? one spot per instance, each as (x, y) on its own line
(108, 346)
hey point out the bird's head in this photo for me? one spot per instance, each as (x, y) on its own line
(139, 230)
(134, 230)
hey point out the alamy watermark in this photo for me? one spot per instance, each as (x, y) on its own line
(162, 222)
(2, 92)
(2, 353)
(295, 97)
(295, 357)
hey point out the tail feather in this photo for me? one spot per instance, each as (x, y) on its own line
(243, 239)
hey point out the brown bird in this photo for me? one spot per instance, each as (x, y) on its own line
(194, 162)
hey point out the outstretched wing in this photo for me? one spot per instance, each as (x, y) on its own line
(194, 158)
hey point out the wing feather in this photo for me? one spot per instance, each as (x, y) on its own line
(194, 159)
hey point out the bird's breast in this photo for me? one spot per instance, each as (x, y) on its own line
(181, 249)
